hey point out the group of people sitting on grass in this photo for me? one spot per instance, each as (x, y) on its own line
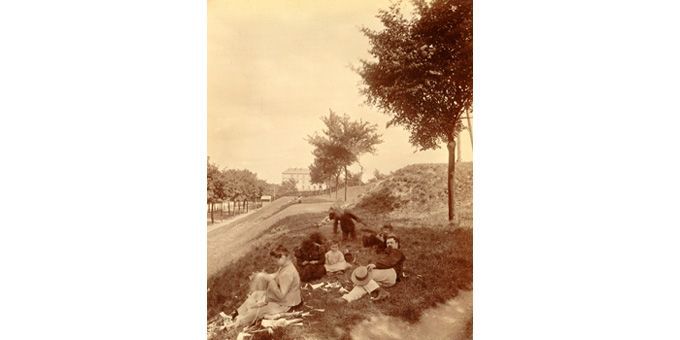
(280, 292)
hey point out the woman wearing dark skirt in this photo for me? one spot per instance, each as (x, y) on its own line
(310, 261)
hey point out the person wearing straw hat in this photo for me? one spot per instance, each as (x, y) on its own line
(386, 272)
(364, 283)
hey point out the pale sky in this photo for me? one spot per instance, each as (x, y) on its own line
(275, 67)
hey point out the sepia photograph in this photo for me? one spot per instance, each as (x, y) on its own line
(339, 170)
(327, 149)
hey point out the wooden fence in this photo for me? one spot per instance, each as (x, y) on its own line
(221, 211)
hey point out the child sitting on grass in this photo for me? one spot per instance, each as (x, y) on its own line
(335, 259)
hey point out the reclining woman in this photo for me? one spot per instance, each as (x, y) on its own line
(271, 293)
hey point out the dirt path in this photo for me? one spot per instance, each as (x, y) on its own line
(232, 240)
(446, 322)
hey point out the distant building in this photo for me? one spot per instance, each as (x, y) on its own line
(303, 181)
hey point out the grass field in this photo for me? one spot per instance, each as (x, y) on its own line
(438, 257)
(439, 262)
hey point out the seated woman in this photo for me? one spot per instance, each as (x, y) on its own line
(282, 291)
(335, 259)
(310, 261)
(257, 296)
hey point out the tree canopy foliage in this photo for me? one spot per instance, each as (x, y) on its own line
(340, 145)
(233, 184)
(421, 74)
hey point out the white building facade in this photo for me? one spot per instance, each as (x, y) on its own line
(303, 181)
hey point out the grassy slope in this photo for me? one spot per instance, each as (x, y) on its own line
(439, 262)
(428, 250)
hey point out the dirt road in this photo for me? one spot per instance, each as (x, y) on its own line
(230, 241)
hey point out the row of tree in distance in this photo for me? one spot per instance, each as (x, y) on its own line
(243, 185)
(235, 185)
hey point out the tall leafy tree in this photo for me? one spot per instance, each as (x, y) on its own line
(218, 188)
(421, 74)
(243, 184)
(343, 141)
(234, 185)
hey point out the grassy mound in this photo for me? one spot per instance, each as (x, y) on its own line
(438, 263)
(420, 191)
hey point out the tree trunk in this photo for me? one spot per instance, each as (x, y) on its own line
(451, 178)
(345, 184)
(337, 179)
(469, 126)
(212, 214)
(458, 151)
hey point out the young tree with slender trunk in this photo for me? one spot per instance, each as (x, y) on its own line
(421, 74)
(344, 141)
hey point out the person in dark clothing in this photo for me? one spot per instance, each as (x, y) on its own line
(378, 240)
(346, 220)
(310, 261)
(384, 273)
(393, 258)
(317, 238)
